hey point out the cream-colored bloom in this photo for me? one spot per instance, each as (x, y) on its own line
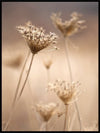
(36, 37)
(67, 92)
(46, 111)
(70, 27)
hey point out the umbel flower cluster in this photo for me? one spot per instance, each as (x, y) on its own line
(67, 92)
(70, 27)
(46, 111)
(36, 37)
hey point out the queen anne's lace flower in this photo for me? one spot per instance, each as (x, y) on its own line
(36, 37)
(46, 111)
(70, 27)
(67, 92)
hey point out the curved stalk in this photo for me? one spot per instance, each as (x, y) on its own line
(71, 79)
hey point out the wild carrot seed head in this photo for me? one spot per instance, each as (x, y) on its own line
(36, 37)
(70, 27)
(46, 111)
(67, 92)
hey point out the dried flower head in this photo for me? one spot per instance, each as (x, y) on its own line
(67, 92)
(70, 27)
(46, 111)
(36, 37)
(47, 63)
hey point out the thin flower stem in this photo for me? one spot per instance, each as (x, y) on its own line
(26, 77)
(13, 107)
(17, 89)
(68, 62)
(71, 79)
(30, 89)
(66, 112)
(21, 74)
(72, 121)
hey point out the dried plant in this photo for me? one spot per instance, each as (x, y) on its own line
(36, 40)
(67, 92)
(36, 37)
(68, 28)
(46, 111)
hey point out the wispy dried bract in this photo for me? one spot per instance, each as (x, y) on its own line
(67, 92)
(36, 37)
(70, 27)
(46, 111)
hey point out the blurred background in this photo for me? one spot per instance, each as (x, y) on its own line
(83, 55)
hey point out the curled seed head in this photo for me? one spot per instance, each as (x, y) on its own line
(68, 28)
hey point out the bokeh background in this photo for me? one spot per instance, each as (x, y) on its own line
(83, 55)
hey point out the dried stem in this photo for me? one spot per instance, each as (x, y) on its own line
(30, 88)
(13, 106)
(21, 74)
(17, 89)
(66, 112)
(26, 77)
(71, 79)
(72, 121)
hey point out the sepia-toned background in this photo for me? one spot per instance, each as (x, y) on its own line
(83, 55)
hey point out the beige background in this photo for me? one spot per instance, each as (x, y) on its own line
(84, 62)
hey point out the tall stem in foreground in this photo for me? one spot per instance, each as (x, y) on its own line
(71, 79)
(26, 77)
(21, 74)
(13, 107)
